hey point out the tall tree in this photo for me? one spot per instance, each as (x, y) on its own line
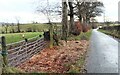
(47, 11)
(87, 10)
(71, 14)
(64, 20)
(95, 9)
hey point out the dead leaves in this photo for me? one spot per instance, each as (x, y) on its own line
(54, 59)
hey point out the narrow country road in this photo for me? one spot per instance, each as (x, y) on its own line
(103, 54)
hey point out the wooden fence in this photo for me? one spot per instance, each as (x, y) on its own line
(21, 51)
(16, 53)
(20, 54)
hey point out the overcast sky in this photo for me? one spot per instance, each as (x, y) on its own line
(24, 10)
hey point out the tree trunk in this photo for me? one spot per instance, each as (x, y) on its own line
(79, 12)
(18, 27)
(6, 29)
(64, 21)
(51, 35)
(71, 27)
(80, 18)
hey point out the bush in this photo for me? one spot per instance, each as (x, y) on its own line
(77, 28)
(29, 30)
(85, 28)
(3, 32)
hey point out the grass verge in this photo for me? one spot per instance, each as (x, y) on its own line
(114, 34)
(11, 70)
(78, 66)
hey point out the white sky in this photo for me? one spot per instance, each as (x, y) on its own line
(111, 10)
(25, 11)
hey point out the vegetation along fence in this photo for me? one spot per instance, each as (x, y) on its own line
(18, 53)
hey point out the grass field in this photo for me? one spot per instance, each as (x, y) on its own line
(27, 27)
(16, 37)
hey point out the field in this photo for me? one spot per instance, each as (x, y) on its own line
(16, 37)
(28, 28)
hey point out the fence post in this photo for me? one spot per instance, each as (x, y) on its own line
(1, 62)
(4, 51)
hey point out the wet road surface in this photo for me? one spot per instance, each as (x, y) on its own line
(103, 54)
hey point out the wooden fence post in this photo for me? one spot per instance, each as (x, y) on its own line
(4, 51)
(1, 62)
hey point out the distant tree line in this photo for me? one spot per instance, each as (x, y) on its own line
(13, 28)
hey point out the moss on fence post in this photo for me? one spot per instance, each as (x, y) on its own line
(4, 51)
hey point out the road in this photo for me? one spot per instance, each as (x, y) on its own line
(103, 54)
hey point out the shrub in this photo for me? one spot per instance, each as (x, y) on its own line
(77, 28)
(29, 30)
(85, 28)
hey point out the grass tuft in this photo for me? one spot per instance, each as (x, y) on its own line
(11, 70)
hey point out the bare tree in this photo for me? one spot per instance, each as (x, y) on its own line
(49, 11)
(18, 24)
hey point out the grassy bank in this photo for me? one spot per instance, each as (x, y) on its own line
(78, 67)
(114, 34)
